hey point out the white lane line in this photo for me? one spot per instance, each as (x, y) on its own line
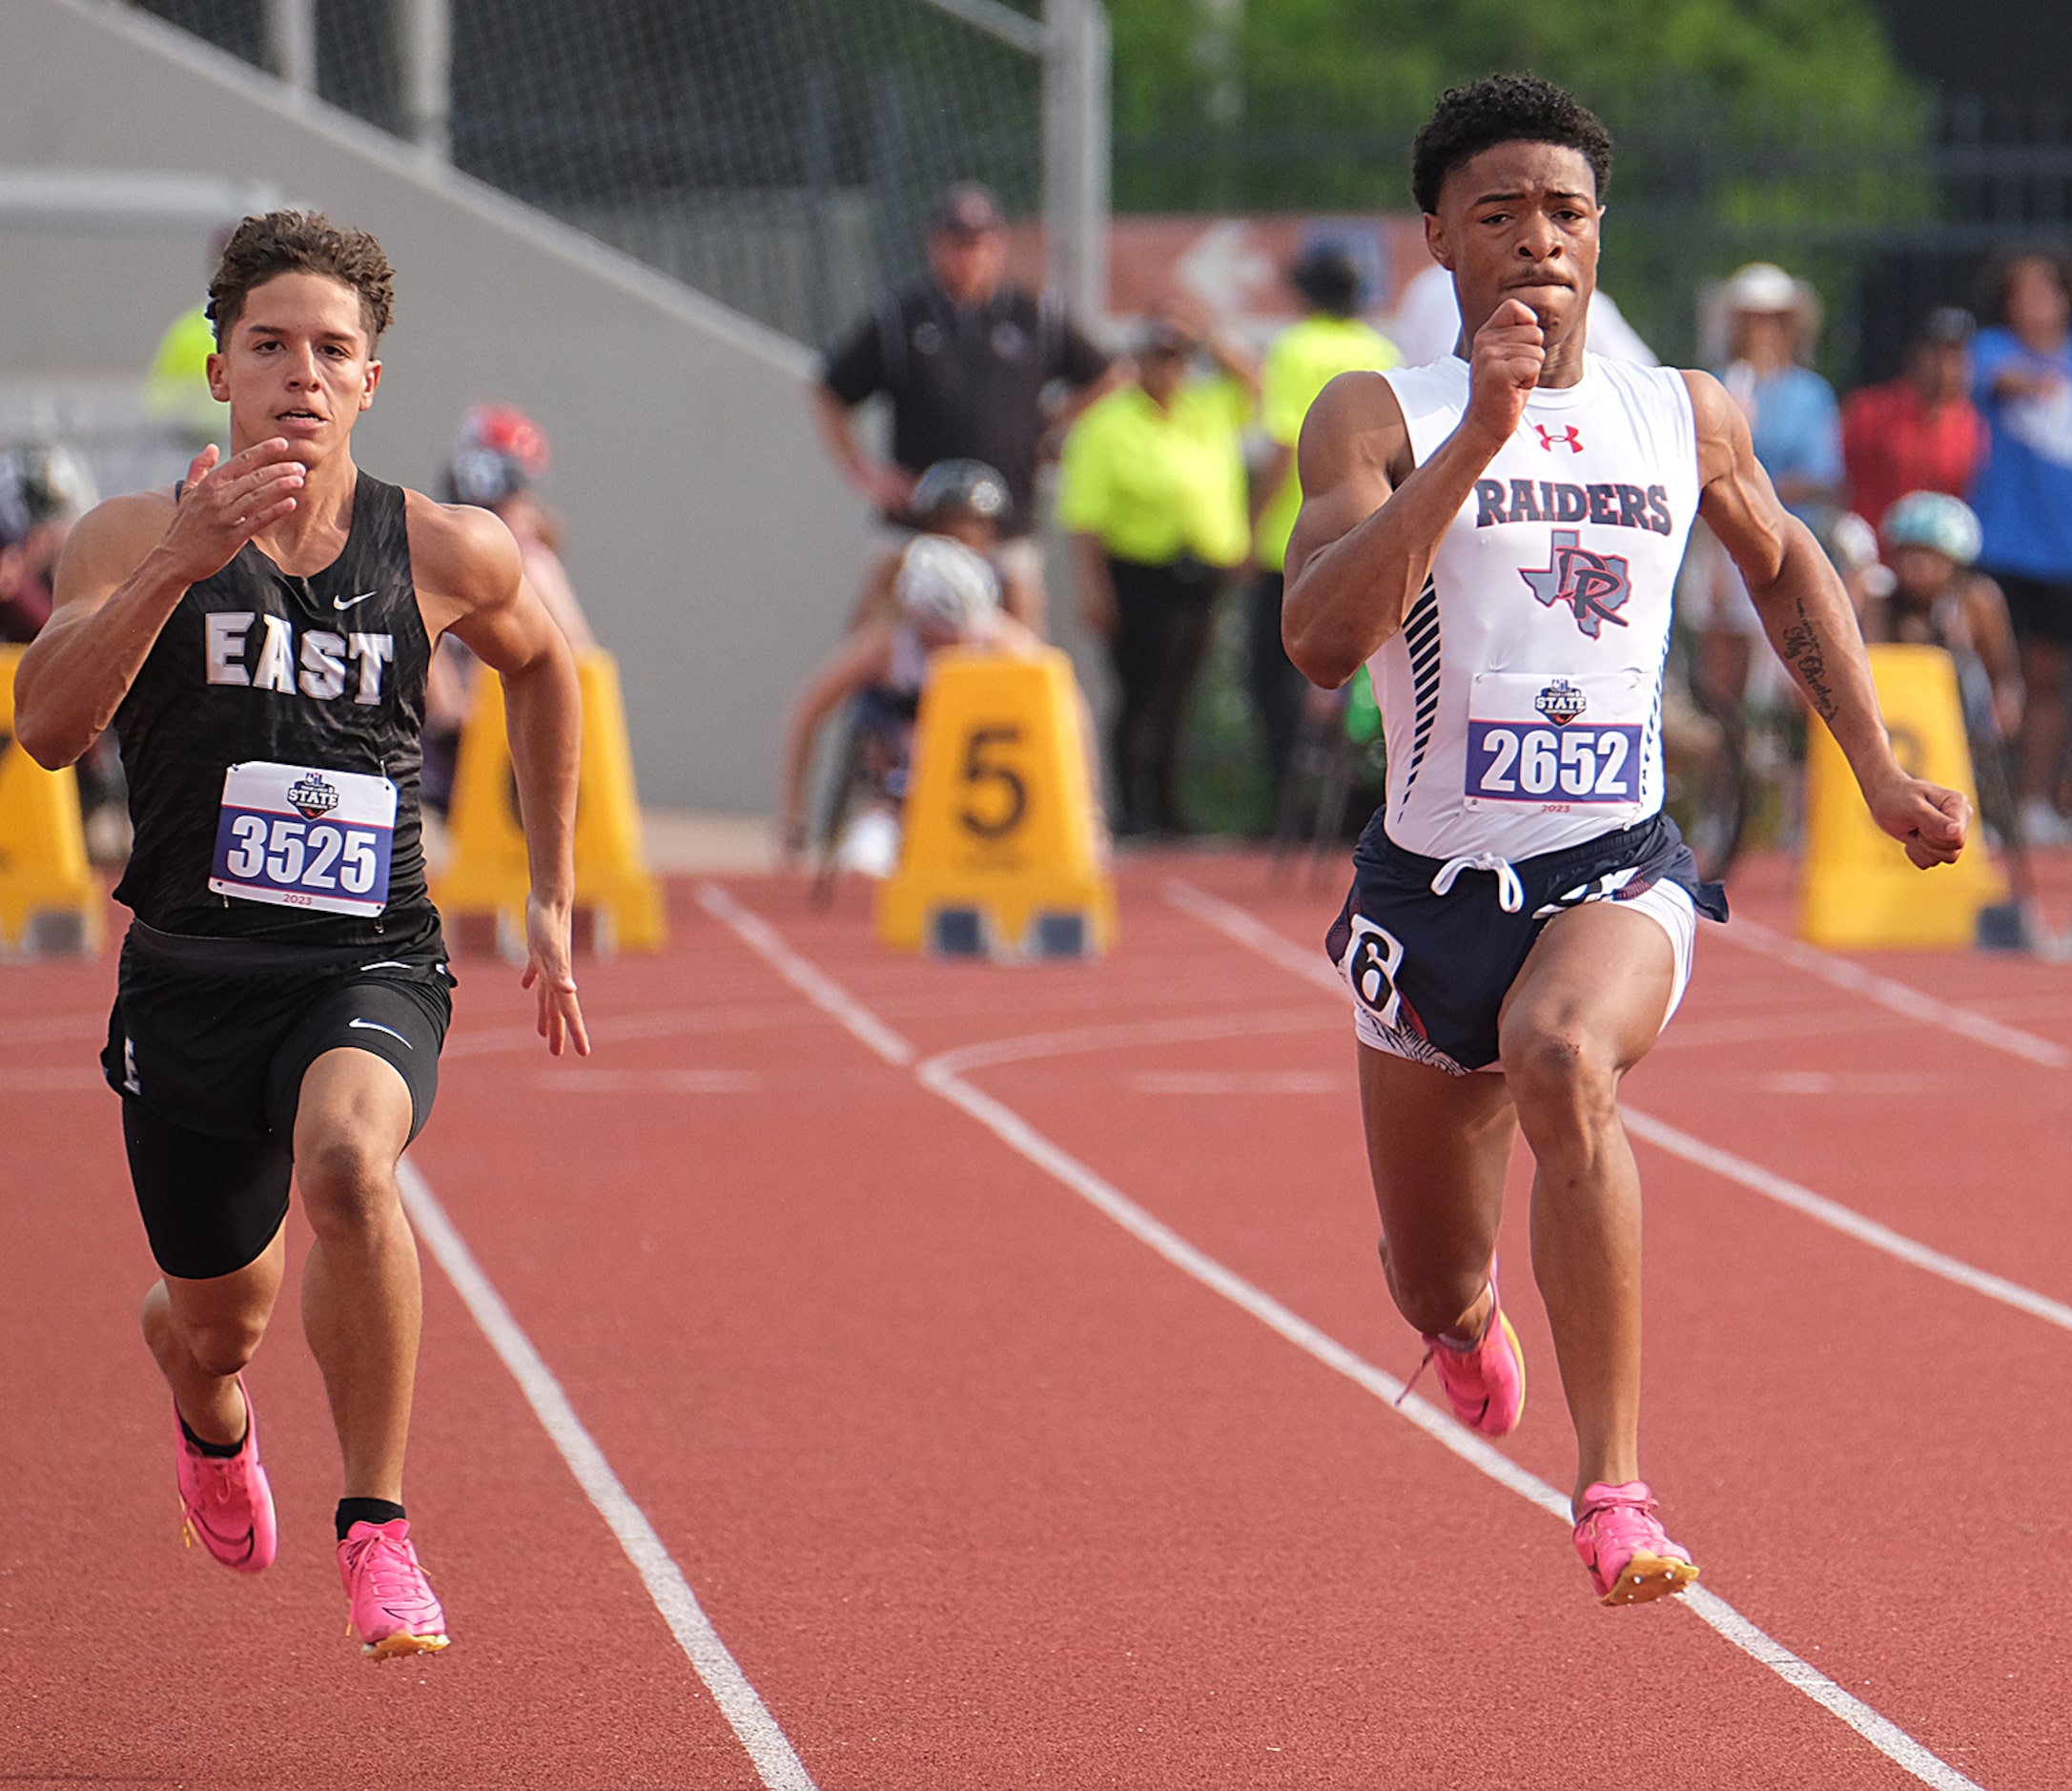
(616, 1030)
(1237, 924)
(1139, 1035)
(647, 1082)
(1242, 1082)
(51, 1080)
(831, 998)
(1845, 1220)
(940, 1074)
(749, 1718)
(1252, 932)
(45, 1028)
(1897, 996)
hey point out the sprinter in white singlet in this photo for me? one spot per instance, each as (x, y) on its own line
(1496, 537)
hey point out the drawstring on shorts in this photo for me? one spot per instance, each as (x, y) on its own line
(1510, 894)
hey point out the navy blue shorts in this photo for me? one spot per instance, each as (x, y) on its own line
(1429, 971)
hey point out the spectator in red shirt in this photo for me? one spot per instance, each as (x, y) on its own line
(1918, 432)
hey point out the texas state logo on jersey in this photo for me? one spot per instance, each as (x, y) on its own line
(1523, 698)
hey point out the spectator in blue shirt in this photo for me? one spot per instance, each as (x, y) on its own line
(2022, 381)
(1790, 409)
(1773, 320)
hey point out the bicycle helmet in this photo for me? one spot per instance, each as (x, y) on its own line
(1850, 542)
(1934, 518)
(944, 587)
(959, 488)
(39, 484)
(501, 451)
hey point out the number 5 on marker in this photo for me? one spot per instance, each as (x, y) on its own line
(983, 767)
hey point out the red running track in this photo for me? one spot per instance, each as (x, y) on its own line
(979, 1489)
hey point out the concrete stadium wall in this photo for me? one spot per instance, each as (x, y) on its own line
(714, 549)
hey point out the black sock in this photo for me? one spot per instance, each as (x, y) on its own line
(222, 1452)
(352, 1511)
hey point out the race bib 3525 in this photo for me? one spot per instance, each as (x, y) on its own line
(300, 836)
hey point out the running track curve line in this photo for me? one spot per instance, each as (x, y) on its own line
(739, 1702)
(1247, 929)
(940, 1076)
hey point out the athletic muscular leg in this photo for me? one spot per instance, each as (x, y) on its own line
(203, 1332)
(1585, 1008)
(361, 1298)
(1438, 1147)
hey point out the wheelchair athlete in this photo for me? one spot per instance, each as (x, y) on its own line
(943, 594)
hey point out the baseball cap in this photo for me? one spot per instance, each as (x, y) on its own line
(1949, 326)
(1763, 286)
(1161, 336)
(966, 209)
(1326, 275)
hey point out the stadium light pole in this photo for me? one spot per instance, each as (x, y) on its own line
(1076, 152)
(1071, 45)
(290, 42)
(424, 36)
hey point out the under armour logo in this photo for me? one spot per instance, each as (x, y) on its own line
(1571, 437)
(1592, 585)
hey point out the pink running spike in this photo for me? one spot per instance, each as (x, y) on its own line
(1630, 1557)
(225, 1501)
(1485, 1383)
(392, 1606)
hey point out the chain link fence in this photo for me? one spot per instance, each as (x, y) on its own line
(1888, 211)
(778, 154)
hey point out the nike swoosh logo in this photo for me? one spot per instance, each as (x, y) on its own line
(368, 1025)
(244, 1545)
(347, 603)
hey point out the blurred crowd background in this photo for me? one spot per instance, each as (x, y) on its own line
(1855, 210)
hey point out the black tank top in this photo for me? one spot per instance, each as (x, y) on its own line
(327, 672)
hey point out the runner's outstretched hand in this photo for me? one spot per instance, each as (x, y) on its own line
(548, 967)
(1928, 820)
(1504, 366)
(222, 507)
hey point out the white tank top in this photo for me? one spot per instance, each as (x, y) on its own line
(1522, 699)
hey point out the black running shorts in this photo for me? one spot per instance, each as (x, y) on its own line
(207, 1045)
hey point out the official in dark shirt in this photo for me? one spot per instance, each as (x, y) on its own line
(965, 360)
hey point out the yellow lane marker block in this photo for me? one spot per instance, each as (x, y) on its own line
(1857, 890)
(1001, 849)
(49, 899)
(487, 875)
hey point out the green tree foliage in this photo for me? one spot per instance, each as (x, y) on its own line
(1780, 129)
(1380, 63)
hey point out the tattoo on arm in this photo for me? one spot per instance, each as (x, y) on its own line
(1804, 655)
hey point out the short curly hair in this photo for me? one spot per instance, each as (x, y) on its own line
(261, 249)
(1504, 109)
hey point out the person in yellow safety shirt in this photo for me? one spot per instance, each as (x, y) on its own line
(176, 388)
(1301, 361)
(1152, 492)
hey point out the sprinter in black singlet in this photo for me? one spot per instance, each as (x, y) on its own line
(259, 636)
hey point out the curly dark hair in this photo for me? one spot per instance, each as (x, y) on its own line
(261, 249)
(1504, 109)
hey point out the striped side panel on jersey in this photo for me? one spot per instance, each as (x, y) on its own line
(1420, 636)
